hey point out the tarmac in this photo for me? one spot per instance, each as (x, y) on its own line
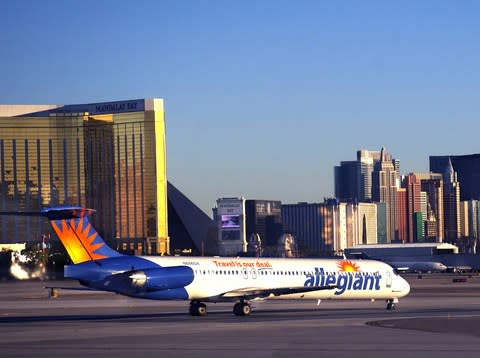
(440, 318)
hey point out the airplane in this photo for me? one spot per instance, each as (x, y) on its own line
(418, 266)
(406, 265)
(201, 280)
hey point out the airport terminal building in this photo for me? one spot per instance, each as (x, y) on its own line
(107, 156)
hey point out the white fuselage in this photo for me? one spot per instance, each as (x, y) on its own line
(217, 279)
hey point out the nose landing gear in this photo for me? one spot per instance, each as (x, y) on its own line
(391, 304)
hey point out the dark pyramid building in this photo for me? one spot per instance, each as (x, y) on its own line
(189, 228)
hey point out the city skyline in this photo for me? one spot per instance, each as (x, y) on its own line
(262, 100)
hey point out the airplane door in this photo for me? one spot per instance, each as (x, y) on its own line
(253, 273)
(245, 273)
(389, 279)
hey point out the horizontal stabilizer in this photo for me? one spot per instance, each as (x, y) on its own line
(70, 288)
(57, 213)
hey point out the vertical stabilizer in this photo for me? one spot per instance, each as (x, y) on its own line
(81, 240)
(78, 236)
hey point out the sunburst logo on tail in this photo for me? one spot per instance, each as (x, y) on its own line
(348, 266)
(78, 240)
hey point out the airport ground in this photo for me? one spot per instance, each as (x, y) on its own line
(440, 318)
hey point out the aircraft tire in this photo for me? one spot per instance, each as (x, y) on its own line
(242, 309)
(198, 309)
(202, 309)
(246, 309)
(390, 305)
(193, 310)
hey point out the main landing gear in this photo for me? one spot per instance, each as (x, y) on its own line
(198, 308)
(391, 304)
(241, 308)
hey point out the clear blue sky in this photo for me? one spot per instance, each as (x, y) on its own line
(262, 98)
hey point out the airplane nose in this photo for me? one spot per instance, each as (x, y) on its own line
(406, 287)
(401, 287)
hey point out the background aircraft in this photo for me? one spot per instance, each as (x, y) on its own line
(418, 266)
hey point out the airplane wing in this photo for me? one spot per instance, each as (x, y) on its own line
(251, 293)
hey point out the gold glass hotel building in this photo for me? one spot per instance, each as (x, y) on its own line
(107, 156)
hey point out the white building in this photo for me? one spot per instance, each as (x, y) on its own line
(231, 225)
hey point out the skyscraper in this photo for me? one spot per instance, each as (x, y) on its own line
(413, 205)
(353, 179)
(109, 156)
(367, 160)
(384, 189)
(367, 222)
(347, 180)
(305, 221)
(474, 224)
(401, 232)
(264, 218)
(432, 185)
(451, 204)
(467, 168)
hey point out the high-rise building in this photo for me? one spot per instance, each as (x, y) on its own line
(304, 221)
(424, 204)
(474, 224)
(431, 227)
(353, 179)
(264, 218)
(413, 205)
(367, 222)
(464, 220)
(353, 224)
(381, 223)
(231, 221)
(467, 168)
(432, 185)
(384, 189)
(328, 228)
(231, 224)
(474, 218)
(401, 219)
(347, 180)
(451, 204)
(107, 156)
(419, 227)
(367, 160)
